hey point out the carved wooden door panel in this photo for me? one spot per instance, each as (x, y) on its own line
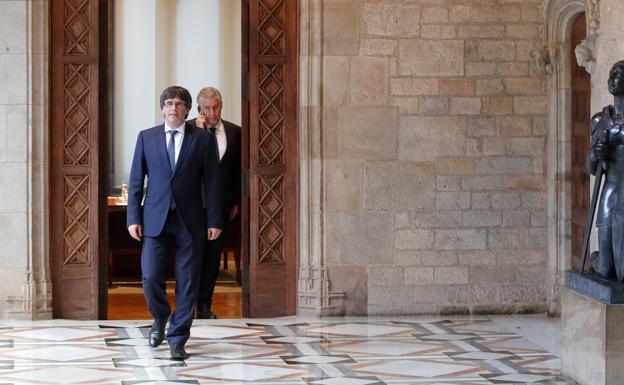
(273, 157)
(78, 127)
(581, 88)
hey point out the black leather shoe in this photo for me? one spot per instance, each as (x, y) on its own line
(206, 314)
(156, 334)
(178, 352)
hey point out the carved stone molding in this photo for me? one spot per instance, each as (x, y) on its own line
(586, 54)
(542, 62)
(34, 303)
(546, 59)
(586, 51)
(553, 53)
(593, 17)
(559, 17)
(314, 286)
(30, 294)
(315, 296)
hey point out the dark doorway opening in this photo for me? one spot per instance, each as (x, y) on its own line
(580, 110)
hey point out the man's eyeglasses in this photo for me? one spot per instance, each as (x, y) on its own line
(171, 104)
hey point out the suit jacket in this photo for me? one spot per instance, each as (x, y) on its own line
(193, 185)
(230, 167)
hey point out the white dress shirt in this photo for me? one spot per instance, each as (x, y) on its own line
(221, 138)
(178, 138)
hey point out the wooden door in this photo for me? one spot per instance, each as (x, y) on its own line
(272, 164)
(78, 156)
(581, 88)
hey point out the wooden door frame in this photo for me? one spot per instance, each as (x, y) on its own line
(78, 149)
(245, 117)
(101, 36)
(271, 165)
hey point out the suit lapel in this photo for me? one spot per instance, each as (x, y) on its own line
(229, 138)
(226, 130)
(161, 145)
(189, 135)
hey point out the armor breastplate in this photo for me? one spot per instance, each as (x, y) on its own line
(612, 195)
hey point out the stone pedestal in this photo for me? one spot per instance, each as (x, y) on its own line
(592, 340)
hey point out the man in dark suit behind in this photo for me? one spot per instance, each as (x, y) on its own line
(228, 136)
(181, 165)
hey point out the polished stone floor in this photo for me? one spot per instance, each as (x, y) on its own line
(290, 350)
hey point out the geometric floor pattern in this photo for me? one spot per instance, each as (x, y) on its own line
(282, 351)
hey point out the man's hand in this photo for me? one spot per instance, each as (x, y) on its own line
(233, 213)
(213, 233)
(136, 232)
(200, 121)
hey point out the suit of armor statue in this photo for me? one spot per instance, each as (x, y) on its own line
(607, 151)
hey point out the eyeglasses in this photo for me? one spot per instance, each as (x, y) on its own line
(171, 104)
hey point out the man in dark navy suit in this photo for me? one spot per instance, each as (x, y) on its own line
(228, 136)
(182, 208)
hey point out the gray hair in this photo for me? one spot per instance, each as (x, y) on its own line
(209, 93)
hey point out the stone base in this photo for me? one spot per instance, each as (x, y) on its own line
(592, 285)
(592, 340)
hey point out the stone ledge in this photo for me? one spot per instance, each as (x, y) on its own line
(591, 285)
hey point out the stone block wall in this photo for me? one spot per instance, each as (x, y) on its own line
(23, 159)
(13, 145)
(434, 130)
(609, 50)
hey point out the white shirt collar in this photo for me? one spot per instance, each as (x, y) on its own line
(180, 128)
(219, 127)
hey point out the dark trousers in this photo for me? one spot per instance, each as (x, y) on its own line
(209, 272)
(187, 262)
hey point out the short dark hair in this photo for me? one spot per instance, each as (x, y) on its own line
(176, 92)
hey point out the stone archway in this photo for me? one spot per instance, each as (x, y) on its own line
(553, 60)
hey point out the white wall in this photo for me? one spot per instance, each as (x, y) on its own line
(134, 73)
(198, 44)
(191, 43)
(231, 59)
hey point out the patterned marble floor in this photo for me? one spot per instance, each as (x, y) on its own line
(282, 351)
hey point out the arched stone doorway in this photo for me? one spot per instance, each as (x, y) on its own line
(555, 60)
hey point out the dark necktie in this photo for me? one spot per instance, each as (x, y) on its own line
(171, 148)
(213, 129)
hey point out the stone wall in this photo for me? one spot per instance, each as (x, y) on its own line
(431, 186)
(434, 123)
(13, 146)
(23, 159)
(610, 49)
